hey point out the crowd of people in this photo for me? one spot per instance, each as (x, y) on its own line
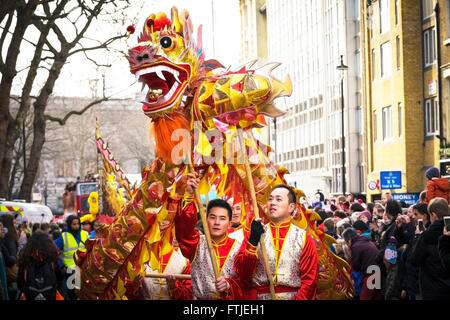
(394, 251)
(32, 264)
(407, 244)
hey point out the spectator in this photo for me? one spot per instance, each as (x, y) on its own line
(330, 227)
(385, 197)
(365, 217)
(85, 225)
(38, 268)
(444, 249)
(410, 273)
(11, 243)
(3, 256)
(68, 243)
(422, 197)
(350, 198)
(338, 215)
(393, 282)
(342, 225)
(404, 230)
(356, 207)
(390, 215)
(379, 211)
(45, 227)
(36, 227)
(433, 278)
(361, 228)
(95, 227)
(370, 207)
(393, 209)
(436, 186)
(23, 236)
(363, 255)
(55, 231)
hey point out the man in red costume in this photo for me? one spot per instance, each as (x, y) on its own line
(194, 247)
(291, 253)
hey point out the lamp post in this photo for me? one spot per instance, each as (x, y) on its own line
(342, 67)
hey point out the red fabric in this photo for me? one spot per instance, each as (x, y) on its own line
(183, 288)
(245, 265)
(438, 187)
(369, 294)
(188, 238)
(309, 270)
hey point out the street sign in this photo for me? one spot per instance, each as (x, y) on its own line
(390, 180)
(409, 198)
(372, 185)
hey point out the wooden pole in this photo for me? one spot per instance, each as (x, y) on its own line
(251, 186)
(212, 253)
(162, 275)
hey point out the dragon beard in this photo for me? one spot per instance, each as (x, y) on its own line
(163, 128)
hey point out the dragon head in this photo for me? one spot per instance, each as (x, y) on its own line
(166, 61)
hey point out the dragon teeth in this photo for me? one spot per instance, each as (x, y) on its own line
(160, 74)
(176, 77)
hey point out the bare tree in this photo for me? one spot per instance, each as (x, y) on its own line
(62, 26)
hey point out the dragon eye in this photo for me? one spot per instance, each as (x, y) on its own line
(165, 42)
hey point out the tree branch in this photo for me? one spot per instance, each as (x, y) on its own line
(3, 37)
(62, 121)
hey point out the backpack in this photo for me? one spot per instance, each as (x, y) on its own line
(40, 282)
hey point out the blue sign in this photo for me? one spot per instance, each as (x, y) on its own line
(390, 180)
(409, 198)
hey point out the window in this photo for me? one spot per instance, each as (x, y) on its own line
(356, 11)
(447, 18)
(427, 9)
(431, 117)
(397, 13)
(386, 60)
(373, 65)
(429, 46)
(359, 120)
(358, 63)
(375, 131)
(400, 119)
(387, 123)
(384, 16)
(398, 49)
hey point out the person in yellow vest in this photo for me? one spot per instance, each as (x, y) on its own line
(71, 240)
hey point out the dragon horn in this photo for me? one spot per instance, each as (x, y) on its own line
(176, 24)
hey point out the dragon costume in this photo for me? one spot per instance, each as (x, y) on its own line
(195, 115)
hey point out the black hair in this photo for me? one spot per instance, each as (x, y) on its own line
(370, 207)
(422, 208)
(361, 226)
(8, 222)
(38, 248)
(357, 207)
(350, 234)
(291, 195)
(69, 223)
(393, 208)
(219, 203)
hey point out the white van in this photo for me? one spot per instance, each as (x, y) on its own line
(32, 212)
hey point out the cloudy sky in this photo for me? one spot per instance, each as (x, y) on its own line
(221, 41)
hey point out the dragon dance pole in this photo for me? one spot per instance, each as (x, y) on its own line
(212, 254)
(162, 275)
(251, 186)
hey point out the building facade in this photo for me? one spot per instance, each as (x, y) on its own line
(404, 120)
(308, 37)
